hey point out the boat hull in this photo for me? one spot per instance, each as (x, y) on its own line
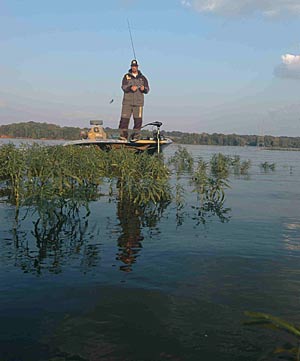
(149, 146)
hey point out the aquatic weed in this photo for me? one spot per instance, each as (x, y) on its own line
(266, 166)
(264, 319)
(182, 161)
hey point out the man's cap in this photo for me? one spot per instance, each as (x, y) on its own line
(134, 63)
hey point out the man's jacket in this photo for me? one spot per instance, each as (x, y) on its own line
(134, 98)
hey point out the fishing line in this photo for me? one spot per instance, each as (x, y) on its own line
(131, 39)
(132, 45)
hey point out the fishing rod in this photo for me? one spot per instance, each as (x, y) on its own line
(133, 49)
(131, 39)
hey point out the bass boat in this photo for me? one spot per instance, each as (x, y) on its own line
(96, 136)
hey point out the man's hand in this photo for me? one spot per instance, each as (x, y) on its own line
(142, 88)
(134, 88)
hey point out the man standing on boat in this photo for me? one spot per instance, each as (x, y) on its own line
(134, 86)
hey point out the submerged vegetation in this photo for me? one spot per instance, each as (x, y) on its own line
(49, 177)
(32, 174)
(54, 187)
(208, 180)
(268, 166)
(290, 351)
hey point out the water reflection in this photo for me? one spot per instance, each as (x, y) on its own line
(58, 231)
(132, 218)
(56, 234)
(51, 235)
(291, 236)
(130, 240)
(212, 209)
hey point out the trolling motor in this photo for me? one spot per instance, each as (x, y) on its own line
(156, 124)
(156, 133)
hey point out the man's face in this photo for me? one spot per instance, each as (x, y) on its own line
(134, 69)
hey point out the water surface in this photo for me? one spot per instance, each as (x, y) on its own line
(118, 285)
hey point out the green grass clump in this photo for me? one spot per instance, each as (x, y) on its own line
(223, 166)
(182, 161)
(140, 178)
(49, 177)
(220, 165)
(29, 174)
(268, 166)
(210, 182)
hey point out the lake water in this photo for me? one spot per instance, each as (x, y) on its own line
(115, 285)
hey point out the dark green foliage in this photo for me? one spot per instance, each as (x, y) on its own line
(12, 170)
(234, 140)
(182, 160)
(54, 186)
(210, 181)
(222, 166)
(219, 165)
(140, 177)
(49, 177)
(238, 167)
(245, 166)
(36, 130)
(36, 173)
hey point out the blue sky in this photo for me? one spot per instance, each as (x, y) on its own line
(213, 65)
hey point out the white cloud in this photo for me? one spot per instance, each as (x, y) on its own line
(291, 60)
(289, 68)
(266, 8)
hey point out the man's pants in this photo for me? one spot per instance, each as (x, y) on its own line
(127, 111)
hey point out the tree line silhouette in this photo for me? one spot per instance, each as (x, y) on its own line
(36, 130)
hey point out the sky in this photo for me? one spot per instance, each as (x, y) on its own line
(214, 66)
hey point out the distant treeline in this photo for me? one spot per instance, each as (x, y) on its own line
(35, 130)
(234, 139)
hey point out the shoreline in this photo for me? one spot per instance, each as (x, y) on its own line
(288, 149)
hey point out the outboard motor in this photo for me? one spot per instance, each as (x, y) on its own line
(96, 132)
